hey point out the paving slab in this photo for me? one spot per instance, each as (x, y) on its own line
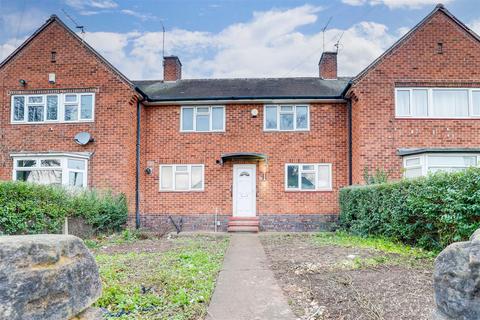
(246, 287)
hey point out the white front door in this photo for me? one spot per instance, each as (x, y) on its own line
(244, 190)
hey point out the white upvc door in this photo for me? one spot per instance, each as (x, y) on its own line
(244, 190)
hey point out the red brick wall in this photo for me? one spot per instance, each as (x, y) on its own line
(113, 162)
(164, 144)
(328, 65)
(172, 68)
(376, 133)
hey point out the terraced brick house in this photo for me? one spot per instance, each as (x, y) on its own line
(268, 153)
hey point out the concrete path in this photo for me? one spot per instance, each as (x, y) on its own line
(246, 288)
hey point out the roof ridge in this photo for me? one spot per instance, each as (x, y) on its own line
(230, 79)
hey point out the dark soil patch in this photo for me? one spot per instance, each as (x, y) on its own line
(337, 282)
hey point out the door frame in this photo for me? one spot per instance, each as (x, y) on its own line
(237, 167)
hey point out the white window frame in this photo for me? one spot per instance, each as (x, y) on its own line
(63, 166)
(300, 170)
(430, 106)
(210, 122)
(278, 106)
(424, 165)
(60, 108)
(189, 171)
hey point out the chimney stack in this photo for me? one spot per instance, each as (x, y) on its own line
(172, 68)
(328, 65)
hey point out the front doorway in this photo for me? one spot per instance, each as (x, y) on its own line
(244, 190)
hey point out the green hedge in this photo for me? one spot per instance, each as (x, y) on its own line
(27, 208)
(430, 212)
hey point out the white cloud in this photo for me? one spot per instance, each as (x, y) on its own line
(394, 4)
(22, 22)
(9, 46)
(271, 44)
(97, 4)
(475, 26)
(139, 15)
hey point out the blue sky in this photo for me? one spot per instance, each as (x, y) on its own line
(230, 38)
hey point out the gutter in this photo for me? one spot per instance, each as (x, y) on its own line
(137, 160)
(238, 100)
(350, 143)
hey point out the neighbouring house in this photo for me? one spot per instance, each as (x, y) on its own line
(272, 152)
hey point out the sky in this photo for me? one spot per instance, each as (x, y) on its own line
(230, 38)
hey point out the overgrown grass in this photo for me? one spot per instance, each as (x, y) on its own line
(345, 239)
(176, 284)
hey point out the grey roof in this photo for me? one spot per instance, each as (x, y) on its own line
(238, 89)
(412, 151)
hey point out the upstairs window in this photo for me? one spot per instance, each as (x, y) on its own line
(422, 164)
(286, 118)
(437, 103)
(68, 107)
(202, 119)
(308, 177)
(51, 170)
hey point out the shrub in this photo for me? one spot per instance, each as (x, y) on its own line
(27, 208)
(430, 212)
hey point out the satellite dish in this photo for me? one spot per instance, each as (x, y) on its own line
(82, 138)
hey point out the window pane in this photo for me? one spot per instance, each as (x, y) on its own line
(286, 121)
(181, 181)
(86, 107)
(71, 112)
(76, 164)
(41, 176)
(420, 103)
(197, 177)
(26, 163)
(444, 169)
(71, 98)
(187, 118)
(476, 102)
(412, 162)
(286, 108)
(450, 103)
(52, 107)
(166, 181)
(217, 118)
(403, 103)
(35, 99)
(302, 117)
(308, 167)
(413, 172)
(202, 110)
(202, 123)
(308, 181)
(75, 179)
(292, 177)
(50, 163)
(181, 168)
(35, 113)
(461, 161)
(271, 117)
(323, 177)
(18, 108)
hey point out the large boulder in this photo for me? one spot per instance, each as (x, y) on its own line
(46, 277)
(457, 281)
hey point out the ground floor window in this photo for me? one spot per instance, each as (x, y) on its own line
(51, 169)
(422, 164)
(308, 177)
(181, 177)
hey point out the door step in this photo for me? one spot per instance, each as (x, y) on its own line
(243, 224)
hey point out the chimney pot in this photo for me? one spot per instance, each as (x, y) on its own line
(328, 65)
(172, 68)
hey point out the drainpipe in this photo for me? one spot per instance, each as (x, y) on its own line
(349, 119)
(137, 171)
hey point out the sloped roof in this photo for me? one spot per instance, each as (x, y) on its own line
(55, 18)
(238, 89)
(439, 8)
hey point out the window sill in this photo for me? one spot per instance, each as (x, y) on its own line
(428, 118)
(287, 131)
(52, 122)
(320, 190)
(181, 191)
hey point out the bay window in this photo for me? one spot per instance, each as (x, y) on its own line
(308, 177)
(43, 108)
(422, 164)
(181, 177)
(66, 170)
